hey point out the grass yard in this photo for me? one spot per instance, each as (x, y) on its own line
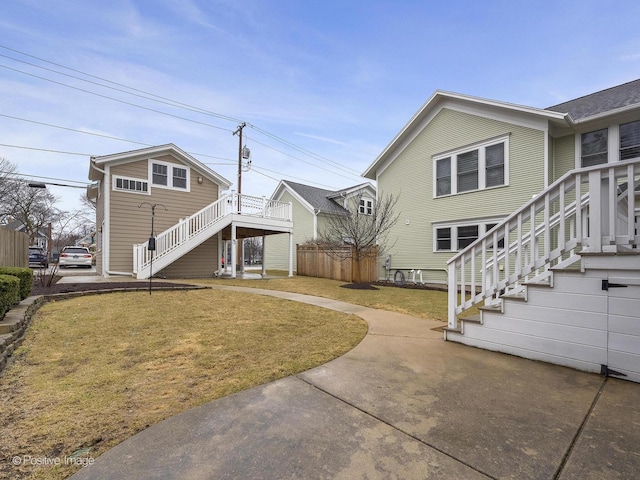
(95, 370)
(416, 302)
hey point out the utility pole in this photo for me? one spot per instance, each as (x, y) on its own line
(239, 133)
(240, 250)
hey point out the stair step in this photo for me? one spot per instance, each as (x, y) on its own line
(453, 330)
(491, 308)
(471, 318)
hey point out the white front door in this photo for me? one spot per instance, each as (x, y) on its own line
(623, 343)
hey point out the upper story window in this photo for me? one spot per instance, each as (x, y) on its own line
(593, 148)
(366, 206)
(473, 168)
(629, 140)
(159, 174)
(169, 175)
(135, 185)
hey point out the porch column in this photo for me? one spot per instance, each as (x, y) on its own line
(290, 254)
(234, 250)
(264, 267)
(220, 253)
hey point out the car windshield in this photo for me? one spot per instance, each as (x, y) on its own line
(34, 250)
(76, 250)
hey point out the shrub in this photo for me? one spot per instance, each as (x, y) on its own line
(26, 279)
(9, 292)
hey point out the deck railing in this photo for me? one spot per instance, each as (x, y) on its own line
(551, 230)
(190, 227)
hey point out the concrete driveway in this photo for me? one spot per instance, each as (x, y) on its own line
(402, 404)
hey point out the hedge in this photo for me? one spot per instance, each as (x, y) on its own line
(9, 292)
(26, 279)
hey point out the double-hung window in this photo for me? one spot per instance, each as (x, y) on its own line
(593, 148)
(159, 174)
(169, 175)
(366, 206)
(630, 140)
(453, 237)
(476, 167)
(179, 177)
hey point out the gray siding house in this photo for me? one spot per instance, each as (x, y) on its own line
(311, 207)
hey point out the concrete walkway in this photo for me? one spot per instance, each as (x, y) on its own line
(403, 404)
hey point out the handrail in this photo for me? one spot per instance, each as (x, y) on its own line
(190, 227)
(548, 228)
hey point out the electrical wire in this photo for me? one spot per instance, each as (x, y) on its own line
(163, 100)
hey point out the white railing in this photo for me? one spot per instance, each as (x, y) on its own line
(548, 231)
(190, 227)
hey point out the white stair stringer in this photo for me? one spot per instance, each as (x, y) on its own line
(184, 247)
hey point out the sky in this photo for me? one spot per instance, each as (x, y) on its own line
(323, 86)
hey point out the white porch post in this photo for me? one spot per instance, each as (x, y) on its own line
(220, 252)
(264, 267)
(234, 250)
(290, 254)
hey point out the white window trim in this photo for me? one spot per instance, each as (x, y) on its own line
(368, 205)
(613, 143)
(482, 170)
(170, 167)
(482, 230)
(131, 179)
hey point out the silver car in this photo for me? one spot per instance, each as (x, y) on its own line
(75, 257)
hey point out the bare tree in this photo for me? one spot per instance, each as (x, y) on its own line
(252, 249)
(361, 229)
(33, 207)
(8, 179)
(87, 202)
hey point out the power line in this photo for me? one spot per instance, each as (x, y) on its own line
(166, 101)
(48, 150)
(116, 99)
(177, 103)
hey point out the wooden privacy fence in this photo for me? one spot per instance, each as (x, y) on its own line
(314, 261)
(14, 248)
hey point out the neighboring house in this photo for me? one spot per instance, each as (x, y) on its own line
(463, 165)
(312, 207)
(192, 219)
(40, 239)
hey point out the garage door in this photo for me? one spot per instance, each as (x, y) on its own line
(623, 348)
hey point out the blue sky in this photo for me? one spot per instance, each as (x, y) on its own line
(335, 80)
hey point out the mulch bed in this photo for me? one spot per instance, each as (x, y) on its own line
(38, 289)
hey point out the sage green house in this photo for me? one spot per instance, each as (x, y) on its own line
(462, 164)
(311, 207)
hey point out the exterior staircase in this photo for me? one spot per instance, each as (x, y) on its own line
(559, 279)
(187, 234)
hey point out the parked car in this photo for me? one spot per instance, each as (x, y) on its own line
(75, 257)
(38, 257)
